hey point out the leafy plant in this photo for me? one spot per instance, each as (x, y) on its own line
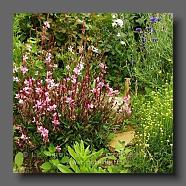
(121, 164)
(18, 163)
(81, 160)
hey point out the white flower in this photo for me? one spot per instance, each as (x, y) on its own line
(122, 42)
(46, 23)
(28, 47)
(118, 34)
(21, 101)
(15, 79)
(55, 66)
(25, 57)
(94, 49)
(113, 16)
(15, 69)
(68, 67)
(114, 24)
(70, 48)
(117, 22)
(36, 73)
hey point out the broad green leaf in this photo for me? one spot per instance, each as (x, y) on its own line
(64, 169)
(19, 159)
(65, 159)
(47, 153)
(51, 148)
(55, 162)
(46, 166)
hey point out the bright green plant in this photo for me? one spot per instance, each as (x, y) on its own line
(78, 160)
(18, 163)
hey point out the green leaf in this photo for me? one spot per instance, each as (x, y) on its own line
(55, 162)
(65, 159)
(47, 153)
(82, 146)
(127, 150)
(64, 169)
(51, 148)
(119, 147)
(19, 159)
(72, 153)
(46, 166)
(73, 165)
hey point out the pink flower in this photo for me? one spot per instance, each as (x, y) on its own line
(55, 119)
(52, 107)
(39, 90)
(47, 25)
(44, 132)
(68, 79)
(101, 84)
(48, 99)
(69, 100)
(74, 79)
(24, 69)
(56, 122)
(112, 92)
(128, 110)
(90, 106)
(77, 71)
(48, 57)
(126, 99)
(103, 67)
(96, 91)
(58, 148)
(24, 137)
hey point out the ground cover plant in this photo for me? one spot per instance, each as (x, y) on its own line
(82, 79)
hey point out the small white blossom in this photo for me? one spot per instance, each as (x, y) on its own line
(122, 42)
(117, 22)
(70, 48)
